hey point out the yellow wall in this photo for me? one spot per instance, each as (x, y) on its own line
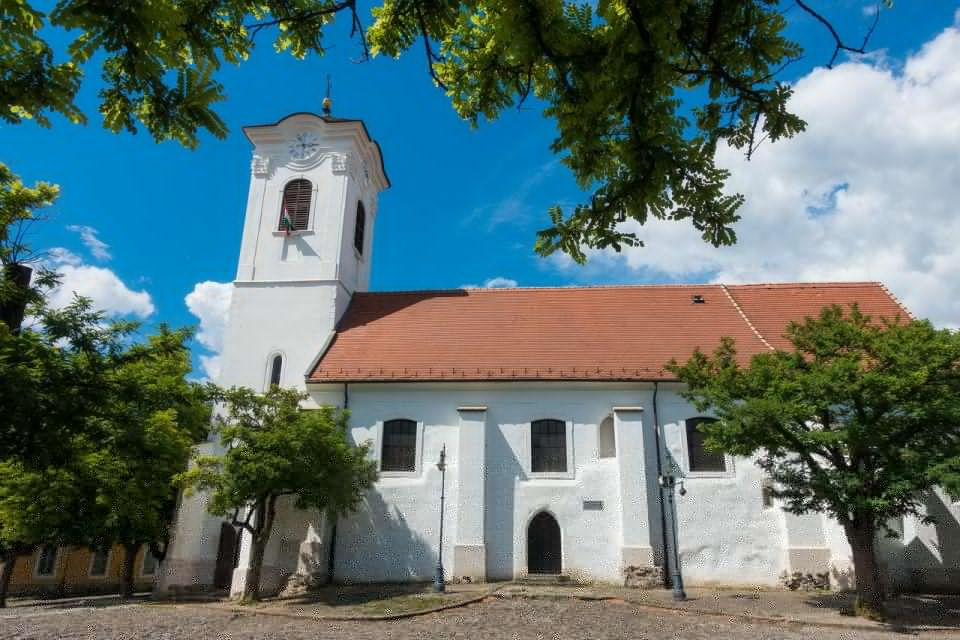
(72, 571)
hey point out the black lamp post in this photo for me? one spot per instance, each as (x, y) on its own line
(669, 483)
(438, 585)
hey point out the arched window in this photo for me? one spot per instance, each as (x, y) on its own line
(295, 210)
(606, 440)
(276, 366)
(548, 440)
(361, 225)
(701, 459)
(398, 451)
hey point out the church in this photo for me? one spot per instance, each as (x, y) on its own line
(552, 405)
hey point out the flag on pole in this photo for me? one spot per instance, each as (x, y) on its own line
(285, 220)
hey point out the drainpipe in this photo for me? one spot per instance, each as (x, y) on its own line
(663, 514)
(333, 530)
(669, 483)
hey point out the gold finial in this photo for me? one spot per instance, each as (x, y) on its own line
(327, 102)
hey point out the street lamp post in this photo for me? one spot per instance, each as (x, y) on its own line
(438, 585)
(669, 482)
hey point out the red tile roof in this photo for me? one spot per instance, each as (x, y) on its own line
(593, 333)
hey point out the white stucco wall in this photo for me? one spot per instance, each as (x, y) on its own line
(725, 536)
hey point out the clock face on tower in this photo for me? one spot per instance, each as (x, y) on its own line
(304, 145)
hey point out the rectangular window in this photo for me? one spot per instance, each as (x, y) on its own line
(46, 561)
(99, 562)
(149, 566)
(700, 458)
(548, 439)
(399, 449)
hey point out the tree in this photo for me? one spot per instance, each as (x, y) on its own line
(642, 92)
(275, 449)
(38, 507)
(151, 419)
(18, 205)
(856, 422)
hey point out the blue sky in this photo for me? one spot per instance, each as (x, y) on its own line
(464, 206)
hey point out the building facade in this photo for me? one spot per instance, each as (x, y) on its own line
(552, 405)
(68, 571)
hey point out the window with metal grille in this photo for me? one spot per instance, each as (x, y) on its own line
(359, 228)
(99, 562)
(295, 211)
(700, 458)
(548, 439)
(275, 367)
(47, 561)
(399, 449)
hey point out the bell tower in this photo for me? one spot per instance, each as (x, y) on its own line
(306, 246)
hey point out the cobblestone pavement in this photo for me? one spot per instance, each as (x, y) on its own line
(489, 620)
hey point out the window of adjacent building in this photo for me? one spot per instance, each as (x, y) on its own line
(99, 562)
(149, 566)
(46, 561)
(359, 228)
(399, 449)
(606, 440)
(548, 439)
(701, 459)
(276, 366)
(295, 209)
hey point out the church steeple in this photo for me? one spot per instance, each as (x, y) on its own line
(310, 176)
(307, 244)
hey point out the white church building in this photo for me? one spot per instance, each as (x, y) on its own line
(553, 406)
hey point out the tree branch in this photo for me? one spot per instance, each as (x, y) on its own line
(428, 48)
(839, 44)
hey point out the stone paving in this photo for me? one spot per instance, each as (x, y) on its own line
(492, 619)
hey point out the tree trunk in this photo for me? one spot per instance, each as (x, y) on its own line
(7, 560)
(251, 588)
(861, 536)
(130, 550)
(263, 525)
(12, 309)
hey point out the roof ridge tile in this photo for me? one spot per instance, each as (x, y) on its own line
(745, 317)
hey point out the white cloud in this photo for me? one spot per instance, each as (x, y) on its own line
(869, 192)
(88, 236)
(101, 285)
(210, 302)
(493, 283)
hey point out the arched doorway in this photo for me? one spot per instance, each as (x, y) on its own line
(543, 545)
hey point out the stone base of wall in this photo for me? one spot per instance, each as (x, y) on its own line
(470, 563)
(185, 575)
(637, 556)
(643, 577)
(812, 560)
(273, 579)
(935, 580)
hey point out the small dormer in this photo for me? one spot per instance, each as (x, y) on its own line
(312, 203)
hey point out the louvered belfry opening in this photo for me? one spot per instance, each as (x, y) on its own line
(296, 204)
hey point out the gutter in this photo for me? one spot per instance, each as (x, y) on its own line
(663, 515)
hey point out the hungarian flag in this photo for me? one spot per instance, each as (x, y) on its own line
(285, 221)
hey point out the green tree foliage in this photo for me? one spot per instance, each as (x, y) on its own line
(857, 421)
(96, 427)
(19, 205)
(39, 507)
(642, 92)
(153, 417)
(273, 448)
